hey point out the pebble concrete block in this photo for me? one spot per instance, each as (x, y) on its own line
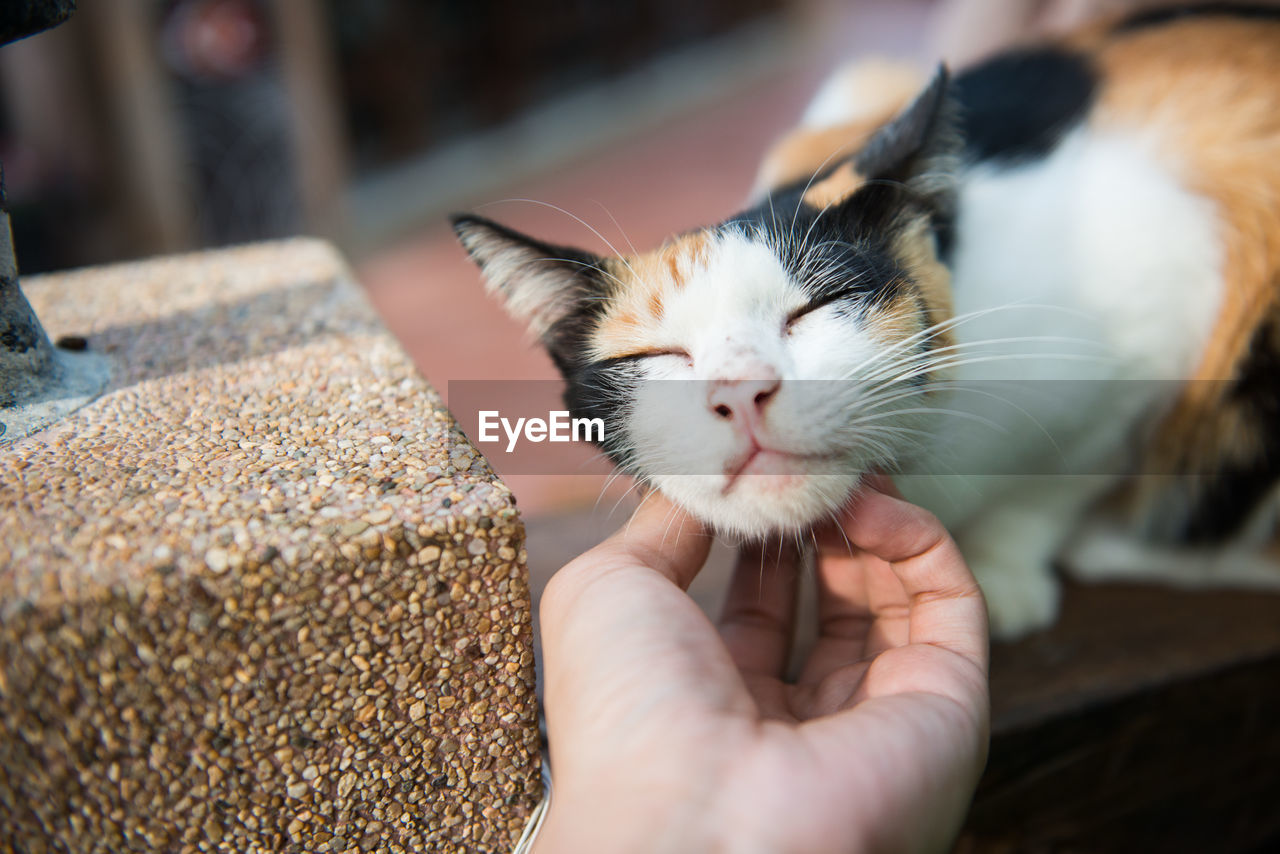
(260, 595)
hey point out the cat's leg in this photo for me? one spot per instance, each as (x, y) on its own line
(1105, 550)
(1115, 555)
(1109, 548)
(1010, 546)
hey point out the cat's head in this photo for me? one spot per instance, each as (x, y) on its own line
(754, 370)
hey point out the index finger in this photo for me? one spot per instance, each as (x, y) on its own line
(661, 536)
(665, 537)
(947, 609)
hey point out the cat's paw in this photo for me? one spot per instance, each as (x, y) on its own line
(1020, 599)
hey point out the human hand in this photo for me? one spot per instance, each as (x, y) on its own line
(670, 734)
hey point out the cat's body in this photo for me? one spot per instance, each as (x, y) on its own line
(1077, 242)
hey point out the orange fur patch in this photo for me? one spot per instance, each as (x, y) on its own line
(1210, 87)
(900, 318)
(925, 304)
(630, 324)
(835, 188)
(914, 250)
(876, 91)
(797, 156)
(655, 305)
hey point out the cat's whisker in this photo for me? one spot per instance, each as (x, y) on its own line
(957, 413)
(986, 342)
(760, 577)
(803, 249)
(603, 455)
(679, 531)
(954, 322)
(970, 388)
(595, 268)
(634, 486)
(618, 226)
(773, 216)
(834, 513)
(893, 393)
(581, 222)
(840, 151)
(897, 354)
(894, 432)
(948, 364)
(650, 494)
(887, 182)
(672, 514)
(881, 450)
(613, 478)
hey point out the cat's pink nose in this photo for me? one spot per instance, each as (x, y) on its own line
(742, 399)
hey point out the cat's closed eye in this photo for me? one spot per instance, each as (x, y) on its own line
(805, 310)
(664, 351)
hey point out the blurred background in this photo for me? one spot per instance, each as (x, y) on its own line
(143, 127)
(148, 126)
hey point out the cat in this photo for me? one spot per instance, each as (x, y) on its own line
(1090, 227)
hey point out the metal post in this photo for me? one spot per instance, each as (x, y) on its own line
(26, 357)
(22, 18)
(38, 383)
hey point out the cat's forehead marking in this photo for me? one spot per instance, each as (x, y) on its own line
(642, 286)
(656, 306)
(657, 295)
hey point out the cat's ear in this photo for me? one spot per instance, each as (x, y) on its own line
(919, 146)
(538, 283)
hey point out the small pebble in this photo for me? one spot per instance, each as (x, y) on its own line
(216, 560)
(353, 528)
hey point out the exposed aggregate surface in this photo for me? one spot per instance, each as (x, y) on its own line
(261, 595)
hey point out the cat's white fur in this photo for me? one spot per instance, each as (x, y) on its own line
(1095, 259)
(1105, 238)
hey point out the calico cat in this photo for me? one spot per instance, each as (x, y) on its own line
(1096, 219)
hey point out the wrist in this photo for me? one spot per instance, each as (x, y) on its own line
(629, 820)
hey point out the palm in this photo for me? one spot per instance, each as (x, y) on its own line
(707, 710)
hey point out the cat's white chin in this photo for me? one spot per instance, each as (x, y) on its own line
(757, 505)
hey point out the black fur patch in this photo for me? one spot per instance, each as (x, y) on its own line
(1229, 497)
(594, 389)
(1173, 14)
(892, 150)
(839, 252)
(1018, 105)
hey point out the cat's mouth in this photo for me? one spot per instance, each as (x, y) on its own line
(758, 460)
